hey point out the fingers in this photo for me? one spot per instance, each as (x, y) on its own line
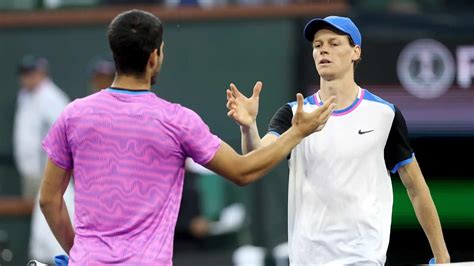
(323, 119)
(331, 100)
(327, 113)
(327, 105)
(235, 91)
(257, 89)
(231, 105)
(299, 100)
(229, 94)
(324, 112)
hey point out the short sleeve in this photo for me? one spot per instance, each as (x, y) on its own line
(197, 141)
(281, 120)
(56, 144)
(398, 151)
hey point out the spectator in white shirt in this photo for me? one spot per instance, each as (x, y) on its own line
(39, 103)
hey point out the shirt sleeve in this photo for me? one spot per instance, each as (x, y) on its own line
(398, 151)
(56, 143)
(281, 120)
(196, 139)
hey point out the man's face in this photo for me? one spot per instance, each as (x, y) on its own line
(333, 55)
(31, 79)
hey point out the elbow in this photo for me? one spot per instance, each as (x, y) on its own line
(244, 174)
(242, 180)
(45, 203)
(242, 183)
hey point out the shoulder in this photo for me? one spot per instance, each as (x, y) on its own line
(376, 100)
(175, 110)
(80, 106)
(188, 117)
(178, 115)
(72, 108)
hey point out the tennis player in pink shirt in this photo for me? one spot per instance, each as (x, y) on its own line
(125, 149)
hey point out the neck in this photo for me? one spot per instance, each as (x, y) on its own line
(344, 89)
(131, 82)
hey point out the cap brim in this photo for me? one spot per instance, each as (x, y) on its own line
(315, 25)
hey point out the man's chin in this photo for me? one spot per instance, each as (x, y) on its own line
(327, 76)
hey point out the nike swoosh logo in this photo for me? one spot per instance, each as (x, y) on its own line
(364, 132)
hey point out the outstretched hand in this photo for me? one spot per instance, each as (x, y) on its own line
(242, 109)
(310, 122)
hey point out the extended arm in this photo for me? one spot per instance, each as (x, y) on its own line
(247, 168)
(425, 209)
(244, 169)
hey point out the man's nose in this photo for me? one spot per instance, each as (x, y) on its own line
(323, 49)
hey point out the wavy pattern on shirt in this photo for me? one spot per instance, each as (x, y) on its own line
(127, 153)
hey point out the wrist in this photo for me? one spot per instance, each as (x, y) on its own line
(249, 127)
(296, 133)
(442, 258)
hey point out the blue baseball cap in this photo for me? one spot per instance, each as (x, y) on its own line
(340, 23)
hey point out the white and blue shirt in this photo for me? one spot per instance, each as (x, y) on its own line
(340, 193)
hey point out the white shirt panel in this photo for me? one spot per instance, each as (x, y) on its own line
(340, 194)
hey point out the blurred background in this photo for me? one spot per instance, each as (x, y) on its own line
(418, 54)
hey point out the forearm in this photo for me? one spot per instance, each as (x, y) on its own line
(258, 162)
(57, 216)
(425, 209)
(428, 217)
(250, 138)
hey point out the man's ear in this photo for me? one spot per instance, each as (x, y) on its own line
(153, 58)
(357, 53)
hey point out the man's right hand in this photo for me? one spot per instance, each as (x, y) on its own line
(308, 123)
(242, 109)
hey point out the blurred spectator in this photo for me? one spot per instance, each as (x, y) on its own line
(101, 74)
(39, 103)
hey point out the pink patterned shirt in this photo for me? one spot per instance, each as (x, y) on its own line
(127, 150)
